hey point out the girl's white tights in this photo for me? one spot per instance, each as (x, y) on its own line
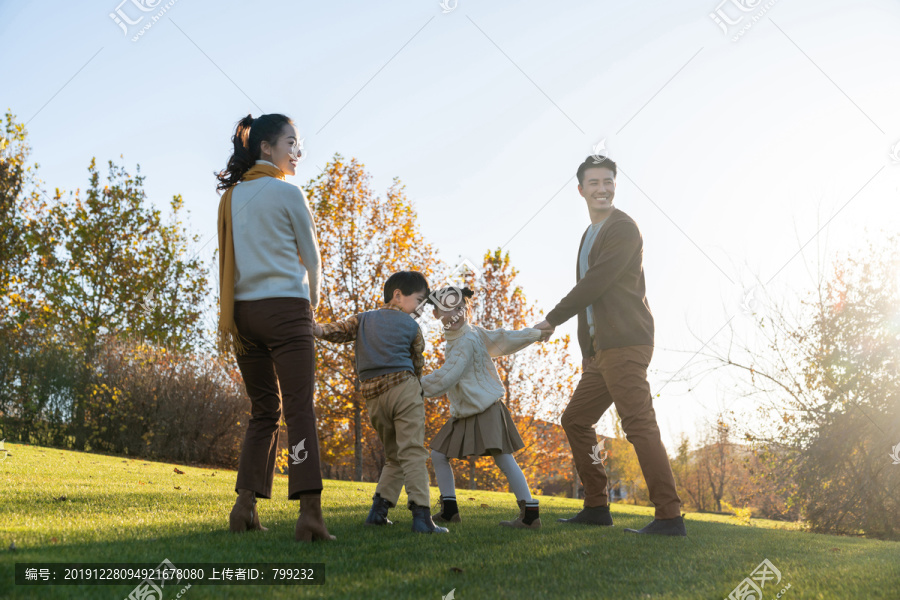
(506, 462)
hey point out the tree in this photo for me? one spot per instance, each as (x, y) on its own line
(16, 177)
(106, 264)
(715, 460)
(831, 393)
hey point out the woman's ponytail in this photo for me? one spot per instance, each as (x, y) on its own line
(247, 145)
(241, 159)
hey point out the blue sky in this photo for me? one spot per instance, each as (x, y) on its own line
(733, 154)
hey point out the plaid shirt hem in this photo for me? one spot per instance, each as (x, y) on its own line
(376, 386)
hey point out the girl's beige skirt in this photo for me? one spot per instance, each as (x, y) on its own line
(485, 434)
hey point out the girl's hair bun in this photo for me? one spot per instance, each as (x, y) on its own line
(467, 292)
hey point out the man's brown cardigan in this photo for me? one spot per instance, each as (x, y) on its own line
(614, 284)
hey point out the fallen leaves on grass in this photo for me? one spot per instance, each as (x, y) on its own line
(178, 471)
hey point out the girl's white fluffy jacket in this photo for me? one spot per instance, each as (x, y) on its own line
(468, 375)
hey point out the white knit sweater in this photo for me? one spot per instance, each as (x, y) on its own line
(275, 249)
(468, 375)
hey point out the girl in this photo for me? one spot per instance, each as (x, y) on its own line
(266, 300)
(480, 424)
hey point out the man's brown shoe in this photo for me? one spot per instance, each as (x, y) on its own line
(663, 527)
(591, 515)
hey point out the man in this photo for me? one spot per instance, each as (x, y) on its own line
(615, 332)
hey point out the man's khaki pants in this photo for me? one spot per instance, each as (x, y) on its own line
(619, 376)
(398, 416)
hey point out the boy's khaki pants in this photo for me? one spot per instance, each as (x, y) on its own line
(398, 416)
(619, 376)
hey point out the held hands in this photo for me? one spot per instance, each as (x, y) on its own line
(546, 330)
(317, 330)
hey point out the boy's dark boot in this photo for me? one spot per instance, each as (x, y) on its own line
(591, 515)
(663, 527)
(422, 522)
(244, 516)
(449, 512)
(379, 511)
(529, 517)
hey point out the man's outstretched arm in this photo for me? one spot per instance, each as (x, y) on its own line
(622, 243)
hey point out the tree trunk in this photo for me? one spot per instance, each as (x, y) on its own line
(82, 396)
(471, 472)
(574, 479)
(357, 432)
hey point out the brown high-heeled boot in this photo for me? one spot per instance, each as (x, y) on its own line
(244, 516)
(310, 526)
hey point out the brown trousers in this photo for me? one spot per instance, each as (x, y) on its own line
(281, 357)
(619, 376)
(398, 416)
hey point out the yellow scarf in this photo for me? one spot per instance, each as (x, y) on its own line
(227, 330)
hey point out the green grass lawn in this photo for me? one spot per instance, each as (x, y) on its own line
(122, 510)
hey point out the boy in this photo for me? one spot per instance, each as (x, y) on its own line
(389, 346)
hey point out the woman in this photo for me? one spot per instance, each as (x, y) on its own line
(268, 296)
